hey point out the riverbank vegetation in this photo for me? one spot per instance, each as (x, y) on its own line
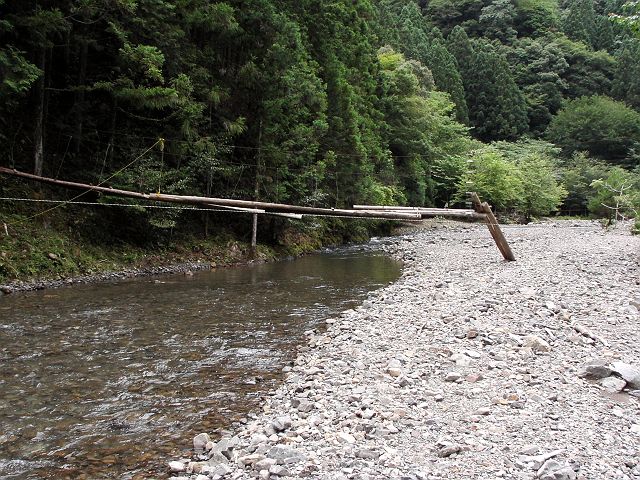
(532, 103)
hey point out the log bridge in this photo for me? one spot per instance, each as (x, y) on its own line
(481, 210)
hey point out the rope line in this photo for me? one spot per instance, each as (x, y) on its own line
(63, 202)
(224, 210)
(101, 204)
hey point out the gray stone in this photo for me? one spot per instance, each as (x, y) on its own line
(258, 438)
(221, 470)
(535, 462)
(367, 454)
(305, 406)
(394, 372)
(200, 441)
(536, 344)
(226, 445)
(452, 377)
(449, 450)
(285, 454)
(613, 384)
(279, 470)
(177, 466)
(554, 470)
(596, 369)
(250, 459)
(629, 373)
(344, 437)
(265, 464)
(460, 359)
(281, 424)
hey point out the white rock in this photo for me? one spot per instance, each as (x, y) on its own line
(177, 466)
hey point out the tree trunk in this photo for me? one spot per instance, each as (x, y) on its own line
(38, 152)
(80, 95)
(256, 190)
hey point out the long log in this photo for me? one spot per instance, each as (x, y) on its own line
(213, 202)
(426, 212)
(399, 208)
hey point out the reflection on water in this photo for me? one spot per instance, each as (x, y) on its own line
(111, 380)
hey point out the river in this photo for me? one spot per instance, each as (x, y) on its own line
(112, 380)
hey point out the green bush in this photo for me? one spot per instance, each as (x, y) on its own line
(494, 178)
(616, 196)
(599, 125)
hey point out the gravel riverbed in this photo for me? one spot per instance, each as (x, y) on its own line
(467, 367)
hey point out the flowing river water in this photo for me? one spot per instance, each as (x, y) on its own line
(112, 380)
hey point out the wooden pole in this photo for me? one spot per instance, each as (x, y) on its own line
(426, 212)
(494, 228)
(411, 209)
(213, 202)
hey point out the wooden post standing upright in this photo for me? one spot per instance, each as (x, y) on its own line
(494, 228)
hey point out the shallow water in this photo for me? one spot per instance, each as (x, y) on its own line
(113, 380)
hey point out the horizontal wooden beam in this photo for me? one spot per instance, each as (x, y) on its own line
(426, 212)
(213, 202)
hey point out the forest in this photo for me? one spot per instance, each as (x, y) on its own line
(534, 104)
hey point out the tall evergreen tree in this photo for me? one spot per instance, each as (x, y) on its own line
(579, 22)
(497, 108)
(626, 82)
(497, 21)
(538, 69)
(446, 76)
(429, 49)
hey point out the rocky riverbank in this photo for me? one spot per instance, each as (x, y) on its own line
(467, 367)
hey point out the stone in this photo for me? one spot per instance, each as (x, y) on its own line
(629, 373)
(221, 470)
(536, 344)
(460, 359)
(449, 450)
(344, 437)
(177, 466)
(536, 462)
(197, 467)
(474, 377)
(394, 372)
(452, 377)
(265, 464)
(258, 438)
(225, 445)
(595, 369)
(284, 454)
(482, 411)
(554, 470)
(613, 384)
(279, 470)
(367, 454)
(305, 406)
(200, 441)
(250, 459)
(281, 424)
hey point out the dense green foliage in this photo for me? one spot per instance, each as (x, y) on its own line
(324, 103)
(599, 125)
